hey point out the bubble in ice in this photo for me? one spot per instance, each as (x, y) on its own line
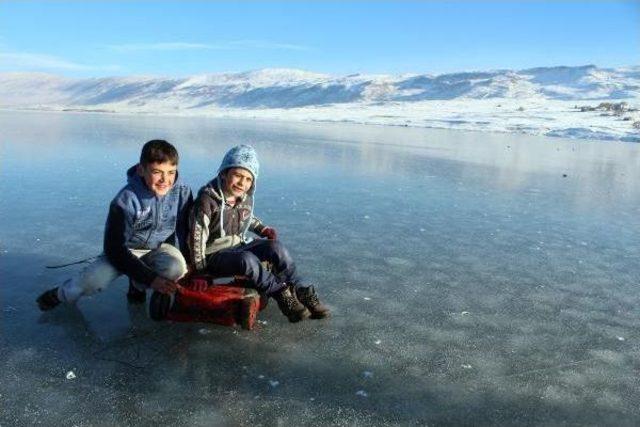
(367, 374)
(367, 299)
(465, 366)
(204, 331)
(378, 342)
(464, 313)
(366, 217)
(261, 377)
(362, 393)
(274, 383)
(620, 338)
(70, 375)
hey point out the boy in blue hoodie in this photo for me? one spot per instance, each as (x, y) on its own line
(146, 231)
(222, 214)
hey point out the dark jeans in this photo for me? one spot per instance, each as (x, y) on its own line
(246, 260)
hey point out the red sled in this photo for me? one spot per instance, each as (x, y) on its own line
(229, 304)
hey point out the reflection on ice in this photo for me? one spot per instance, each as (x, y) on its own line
(470, 281)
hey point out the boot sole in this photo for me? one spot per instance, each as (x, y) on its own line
(300, 317)
(46, 307)
(320, 315)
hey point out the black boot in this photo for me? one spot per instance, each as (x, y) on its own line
(135, 295)
(48, 299)
(290, 306)
(309, 298)
(159, 305)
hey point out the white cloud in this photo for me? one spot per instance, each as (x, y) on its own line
(23, 60)
(263, 44)
(135, 47)
(231, 45)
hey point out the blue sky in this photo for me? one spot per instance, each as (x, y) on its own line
(183, 38)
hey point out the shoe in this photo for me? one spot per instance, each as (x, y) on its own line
(290, 306)
(48, 299)
(309, 298)
(159, 305)
(135, 295)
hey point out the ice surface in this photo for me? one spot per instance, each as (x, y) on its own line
(477, 253)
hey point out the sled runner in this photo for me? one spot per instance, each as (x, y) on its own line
(229, 304)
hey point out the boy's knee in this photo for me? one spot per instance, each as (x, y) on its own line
(170, 263)
(172, 268)
(249, 262)
(280, 250)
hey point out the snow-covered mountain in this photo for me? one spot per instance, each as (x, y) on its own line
(535, 101)
(284, 88)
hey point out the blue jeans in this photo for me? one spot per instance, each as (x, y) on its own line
(266, 263)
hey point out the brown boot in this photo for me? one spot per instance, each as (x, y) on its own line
(309, 298)
(290, 306)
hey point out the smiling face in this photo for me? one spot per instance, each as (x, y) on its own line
(159, 177)
(237, 181)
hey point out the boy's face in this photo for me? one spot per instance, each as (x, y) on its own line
(159, 177)
(237, 182)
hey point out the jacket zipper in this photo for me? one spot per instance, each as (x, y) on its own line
(155, 223)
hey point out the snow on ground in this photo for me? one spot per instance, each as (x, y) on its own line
(537, 117)
(537, 101)
(533, 117)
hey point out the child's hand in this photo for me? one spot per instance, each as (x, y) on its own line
(270, 233)
(164, 286)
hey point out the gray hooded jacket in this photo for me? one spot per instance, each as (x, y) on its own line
(214, 224)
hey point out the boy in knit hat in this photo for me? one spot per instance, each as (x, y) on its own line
(222, 215)
(147, 223)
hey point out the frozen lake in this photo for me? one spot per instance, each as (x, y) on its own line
(474, 279)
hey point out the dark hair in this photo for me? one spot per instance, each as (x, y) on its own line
(158, 151)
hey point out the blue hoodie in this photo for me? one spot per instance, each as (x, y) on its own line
(138, 219)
